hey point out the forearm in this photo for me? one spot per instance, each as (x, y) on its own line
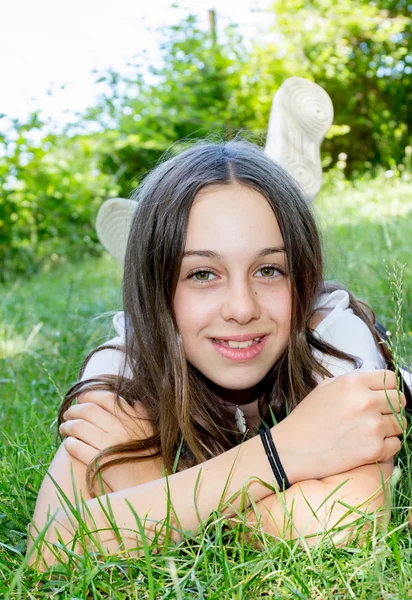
(341, 436)
(65, 474)
(66, 480)
(313, 507)
(213, 483)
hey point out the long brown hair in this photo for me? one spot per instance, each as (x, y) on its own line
(190, 424)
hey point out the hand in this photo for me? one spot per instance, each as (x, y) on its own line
(344, 423)
(95, 423)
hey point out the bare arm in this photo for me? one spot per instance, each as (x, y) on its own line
(362, 490)
(63, 471)
(315, 507)
(351, 425)
(151, 499)
(67, 472)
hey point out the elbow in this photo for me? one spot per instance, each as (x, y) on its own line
(342, 514)
(316, 511)
(52, 545)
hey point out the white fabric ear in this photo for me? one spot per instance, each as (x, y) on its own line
(113, 225)
(301, 115)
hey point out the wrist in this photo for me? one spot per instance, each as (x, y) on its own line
(273, 458)
(293, 459)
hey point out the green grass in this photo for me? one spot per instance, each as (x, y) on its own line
(48, 324)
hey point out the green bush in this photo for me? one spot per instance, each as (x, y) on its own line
(50, 192)
(51, 185)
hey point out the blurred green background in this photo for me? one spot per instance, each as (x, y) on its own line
(209, 81)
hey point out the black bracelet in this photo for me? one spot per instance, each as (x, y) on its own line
(270, 456)
(273, 457)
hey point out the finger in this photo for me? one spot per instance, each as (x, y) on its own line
(94, 414)
(79, 450)
(86, 432)
(381, 379)
(392, 445)
(107, 400)
(326, 381)
(101, 398)
(390, 401)
(141, 423)
(393, 426)
(119, 428)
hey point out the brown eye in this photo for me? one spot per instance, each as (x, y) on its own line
(269, 272)
(201, 275)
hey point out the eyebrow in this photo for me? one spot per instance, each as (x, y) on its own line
(212, 254)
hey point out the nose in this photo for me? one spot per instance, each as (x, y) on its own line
(240, 303)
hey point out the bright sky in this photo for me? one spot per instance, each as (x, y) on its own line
(48, 43)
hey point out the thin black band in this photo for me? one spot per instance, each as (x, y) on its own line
(270, 457)
(277, 460)
(278, 471)
(273, 457)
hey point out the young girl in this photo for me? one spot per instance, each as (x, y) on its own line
(225, 312)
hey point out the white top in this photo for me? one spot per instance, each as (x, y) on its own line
(341, 328)
(345, 331)
(109, 362)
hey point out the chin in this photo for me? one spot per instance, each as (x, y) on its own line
(233, 377)
(236, 383)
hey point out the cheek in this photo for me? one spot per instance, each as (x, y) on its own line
(287, 307)
(192, 311)
(279, 306)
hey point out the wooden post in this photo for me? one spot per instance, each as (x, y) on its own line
(212, 25)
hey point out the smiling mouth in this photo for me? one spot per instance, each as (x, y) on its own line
(238, 345)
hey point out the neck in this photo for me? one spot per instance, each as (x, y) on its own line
(246, 399)
(238, 397)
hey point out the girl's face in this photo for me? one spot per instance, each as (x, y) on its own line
(233, 301)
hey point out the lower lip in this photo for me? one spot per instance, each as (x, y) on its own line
(240, 354)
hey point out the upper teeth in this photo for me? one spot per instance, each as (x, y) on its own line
(242, 344)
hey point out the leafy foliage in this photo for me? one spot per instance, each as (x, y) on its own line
(361, 53)
(49, 191)
(51, 184)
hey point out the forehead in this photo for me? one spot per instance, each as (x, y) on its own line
(234, 212)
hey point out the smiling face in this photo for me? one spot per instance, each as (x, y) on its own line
(233, 300)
